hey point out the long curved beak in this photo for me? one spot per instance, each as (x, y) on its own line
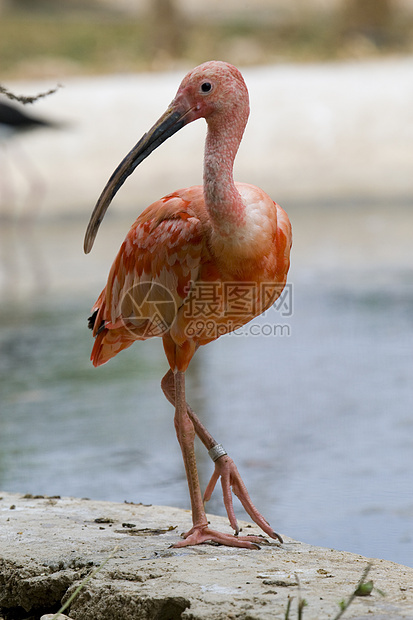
(170, 122)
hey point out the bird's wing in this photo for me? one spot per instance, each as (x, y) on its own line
(153, 271)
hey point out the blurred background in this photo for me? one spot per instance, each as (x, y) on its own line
(315, 406)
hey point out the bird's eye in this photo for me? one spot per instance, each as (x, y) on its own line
(206, 87)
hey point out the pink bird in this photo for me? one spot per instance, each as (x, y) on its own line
(196, 264)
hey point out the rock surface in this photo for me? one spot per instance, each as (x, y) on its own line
(49, 545)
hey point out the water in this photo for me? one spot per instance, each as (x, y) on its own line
(318, 417)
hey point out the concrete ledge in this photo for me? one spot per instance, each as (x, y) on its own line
(48, 545)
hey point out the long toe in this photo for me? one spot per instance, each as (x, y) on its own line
(226, 469)
(200, 535)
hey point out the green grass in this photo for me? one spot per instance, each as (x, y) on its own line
(55, 44)
(88, 45)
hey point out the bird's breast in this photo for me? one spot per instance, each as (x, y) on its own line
(249, 245)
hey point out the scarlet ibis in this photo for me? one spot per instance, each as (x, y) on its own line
(178, 271)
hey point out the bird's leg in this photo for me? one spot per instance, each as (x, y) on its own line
(185, 433)
(224, 467)
(200, 532)
(168, 388)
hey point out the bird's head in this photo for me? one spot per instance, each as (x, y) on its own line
(211, 89)
(214, 90)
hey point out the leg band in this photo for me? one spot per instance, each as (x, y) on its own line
(216, 451)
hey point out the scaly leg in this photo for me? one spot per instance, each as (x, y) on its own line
(174, 390)
(200, 532)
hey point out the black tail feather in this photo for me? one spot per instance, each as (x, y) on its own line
(92, 320)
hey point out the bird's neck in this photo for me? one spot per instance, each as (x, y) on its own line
(222, 199)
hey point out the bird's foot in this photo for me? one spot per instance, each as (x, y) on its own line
(230, 478)
(203, 534)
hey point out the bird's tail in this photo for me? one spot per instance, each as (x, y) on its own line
(110, 338)
(108, 343)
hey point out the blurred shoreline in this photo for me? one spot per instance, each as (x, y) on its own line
(323, 132)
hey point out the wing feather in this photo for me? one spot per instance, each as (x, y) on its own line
(150, 278)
